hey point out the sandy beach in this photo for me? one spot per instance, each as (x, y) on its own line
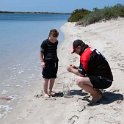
(108, 38)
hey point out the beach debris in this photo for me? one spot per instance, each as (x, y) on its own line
(5, 98)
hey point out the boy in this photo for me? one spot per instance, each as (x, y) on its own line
(49, 61)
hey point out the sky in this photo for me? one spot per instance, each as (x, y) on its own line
(54, 5)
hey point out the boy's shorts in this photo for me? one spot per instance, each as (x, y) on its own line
(50, 70)
(100, 82)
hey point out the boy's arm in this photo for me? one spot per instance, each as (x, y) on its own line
(41, 57)
(42, 54)
(42, 60)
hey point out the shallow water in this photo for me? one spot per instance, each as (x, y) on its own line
(20, 39)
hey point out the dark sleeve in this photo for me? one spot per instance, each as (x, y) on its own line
(57, 42)
(43, 46)
(81, 69)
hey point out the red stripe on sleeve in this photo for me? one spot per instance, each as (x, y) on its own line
(84, 58)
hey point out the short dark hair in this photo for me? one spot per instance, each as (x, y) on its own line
(54, 33)
(77, 43)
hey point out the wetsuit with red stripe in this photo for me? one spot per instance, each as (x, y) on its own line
(93, 63)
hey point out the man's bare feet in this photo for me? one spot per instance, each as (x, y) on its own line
(97, 90)
(96, 96)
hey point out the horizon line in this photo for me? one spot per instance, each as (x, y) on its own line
(2, 11)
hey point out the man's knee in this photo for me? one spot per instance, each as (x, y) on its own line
(83, 81)
(80, 81)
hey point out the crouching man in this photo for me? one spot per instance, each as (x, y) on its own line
(94, 70)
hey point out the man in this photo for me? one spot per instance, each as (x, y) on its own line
(94, 70)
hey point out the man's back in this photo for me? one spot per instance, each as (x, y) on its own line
(93, 63)
(99, 66)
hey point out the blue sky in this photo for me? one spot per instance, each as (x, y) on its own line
(54, 5)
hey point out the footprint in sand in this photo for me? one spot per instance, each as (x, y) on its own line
(73, 119)
(38, 95)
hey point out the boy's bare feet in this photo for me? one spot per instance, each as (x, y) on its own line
(46, 95)
(51, 93)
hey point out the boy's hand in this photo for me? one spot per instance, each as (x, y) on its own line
(43, 64)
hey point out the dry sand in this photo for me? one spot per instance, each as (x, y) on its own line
(108, 38)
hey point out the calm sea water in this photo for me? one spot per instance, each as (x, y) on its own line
(20, 39)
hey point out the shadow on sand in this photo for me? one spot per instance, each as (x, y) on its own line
(109, 97)
(72, 93)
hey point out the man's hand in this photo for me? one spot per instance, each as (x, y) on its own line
(74, 70)
(71, 67)
(43, 64)
(74, 66)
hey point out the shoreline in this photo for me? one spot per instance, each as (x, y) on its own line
(19, 12)
(108, 38)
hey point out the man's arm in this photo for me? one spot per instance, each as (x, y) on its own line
(74, 66)
(73, 69)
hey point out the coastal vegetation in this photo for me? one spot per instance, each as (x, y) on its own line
(86, 17)
(78, 14)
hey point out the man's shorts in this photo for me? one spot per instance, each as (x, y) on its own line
(100, 82)
(50, 70)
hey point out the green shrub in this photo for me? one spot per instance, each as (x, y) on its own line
(118, 10)
(96, 15)
(77, 15)
(92, 18)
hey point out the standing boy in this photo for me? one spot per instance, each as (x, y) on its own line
(49, 61)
